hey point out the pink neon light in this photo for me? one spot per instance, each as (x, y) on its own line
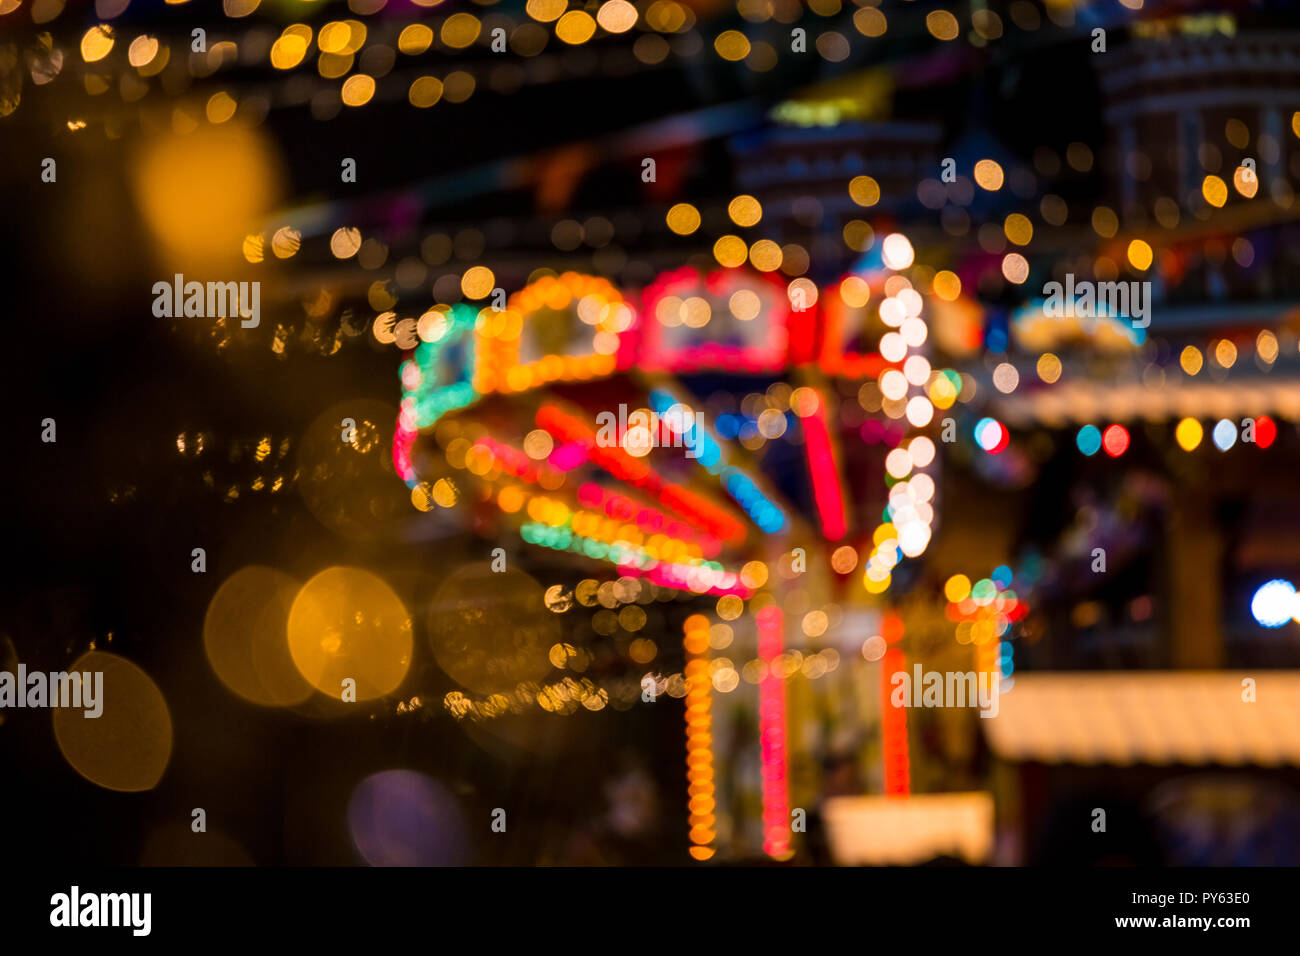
(827, 490)
(635, 472)
(771, 736)
(568, 456)
(649, 520)
(678, 577)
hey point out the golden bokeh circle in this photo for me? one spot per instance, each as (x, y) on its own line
(348, 623)
(245, 635)
(127, 747)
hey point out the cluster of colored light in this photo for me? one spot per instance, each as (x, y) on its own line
(701, 804)
(893, 720)
(584, 300)
(703, 577)
(516, 463)
(764, 322)
(445, 333)
(704, 514)
(614, 531)
(679, 420)
(1263, 431)
(1275, 603)
(771, 735)
(649, 520)
(1090, 440)
(992, 436)
(683, 423)
(983, 611)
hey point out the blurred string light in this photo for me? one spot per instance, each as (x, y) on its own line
(772, 736)
(905, 385)
(701, 803)
(984, 611)
(1224, 434)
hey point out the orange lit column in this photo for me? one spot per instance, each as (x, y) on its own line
(771, 735)
(699, 737)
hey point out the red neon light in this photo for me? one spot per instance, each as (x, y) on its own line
(635, 472)
(775, 352)
(893, 720)
(771, 735)
(827, 490)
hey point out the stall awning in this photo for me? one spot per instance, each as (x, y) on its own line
(1154, 717)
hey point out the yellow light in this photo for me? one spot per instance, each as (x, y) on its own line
(732, 45)
(221, 106)
(1191, 360)
(731, 251)
(288, 51)
(425, 91)
(575, 27)
(415, 39)
(333, 37)
(127, 747)
(855, 292)
(864, 191)
(477, 282)
(358, 89)
(544, 11)
(957, 588)
(754, 574)
(942, 25)
(1049, 368)
(1266, 346)
(1140, 255)
(1018, 229)
(988, 174)
(97, 43)
(1215, 191)
(745, 211)
(1225, 353)
(765, 255)
(461, 29)
(947, 285)
(1188, 434)
(683, 219)
(616, 16)
(1245, 181)
(1104, 222)
(142, 51)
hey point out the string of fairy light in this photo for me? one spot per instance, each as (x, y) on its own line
(341, 45)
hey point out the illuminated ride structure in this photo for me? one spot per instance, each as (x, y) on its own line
(713, 438)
